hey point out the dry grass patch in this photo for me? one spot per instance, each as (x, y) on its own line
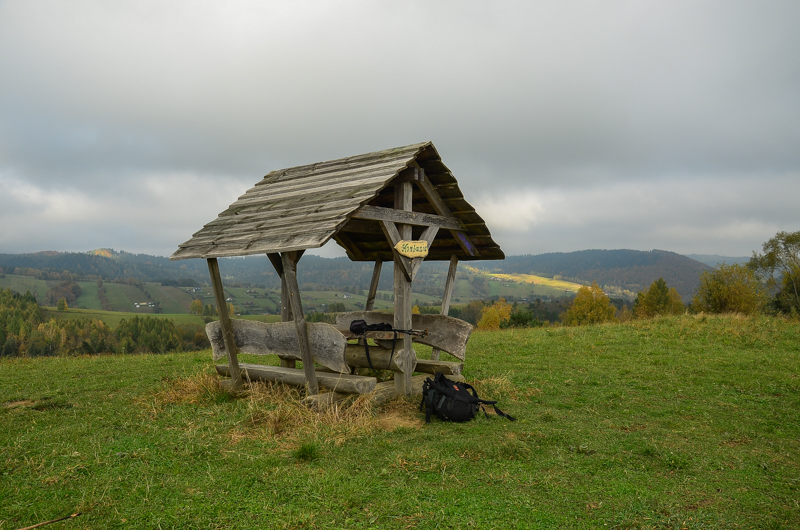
(274, 411)
(201, 388)
(501, 389)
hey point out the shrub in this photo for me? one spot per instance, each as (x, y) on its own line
(658, 300)
(590, 306)
(494, 315)
(522, 318)
(730, 289)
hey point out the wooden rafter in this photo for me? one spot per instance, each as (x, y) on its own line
(441, 208)
(377, 213)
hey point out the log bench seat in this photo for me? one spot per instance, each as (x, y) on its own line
(445, 333)
(338, 383)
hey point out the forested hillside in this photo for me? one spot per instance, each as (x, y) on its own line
(315, 273)
(628, 269)
(634, 270)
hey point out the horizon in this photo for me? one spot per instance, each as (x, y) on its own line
(308, 253)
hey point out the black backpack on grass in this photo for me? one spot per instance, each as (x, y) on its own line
(453, 401)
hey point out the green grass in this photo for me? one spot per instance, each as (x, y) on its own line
(172, 299)
(21, 284)
(682, 422)
(112, 318)
(117, 298)
(88, 298)
(523, 286)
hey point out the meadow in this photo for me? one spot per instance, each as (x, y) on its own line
(683, 422)
(175, 300)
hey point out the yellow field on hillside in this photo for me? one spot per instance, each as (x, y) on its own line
(538, 280)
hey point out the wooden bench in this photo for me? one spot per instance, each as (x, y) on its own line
(328, 347)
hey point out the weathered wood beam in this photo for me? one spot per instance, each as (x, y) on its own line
(227, 329)
(378, 213)
(344, 383)
(392, 234)
(356, 357)
(432, 366)
(289, 272)
(402, 284)
(286, 312)
(280, 338)
(355, 226)
(448, 294)
(410, 174)
(373, 286)
(441, 208)
(428, 235)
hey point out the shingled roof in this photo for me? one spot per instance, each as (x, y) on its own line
(346, 199)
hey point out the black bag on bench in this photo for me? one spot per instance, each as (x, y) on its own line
(453, 401)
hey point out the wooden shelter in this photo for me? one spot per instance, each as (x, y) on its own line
(371, 205)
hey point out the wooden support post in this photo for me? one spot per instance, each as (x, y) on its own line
(225, 322)
(448, 293)
(402, 288)
(373, 286)
(290, 275)
(286, 311)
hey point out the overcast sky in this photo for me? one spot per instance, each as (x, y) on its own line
(569, 125)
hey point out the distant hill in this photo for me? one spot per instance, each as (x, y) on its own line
(634, 270)
(628, 269)
(315, 273)
(712, 260)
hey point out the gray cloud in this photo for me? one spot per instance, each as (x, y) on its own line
(525, 101)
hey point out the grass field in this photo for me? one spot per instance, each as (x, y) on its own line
(176, 300)
(88, 297)
(682, 422)
(21, 284)
(528, 285)
(112, 318)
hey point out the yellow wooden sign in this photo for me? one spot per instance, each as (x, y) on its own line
(412, 249)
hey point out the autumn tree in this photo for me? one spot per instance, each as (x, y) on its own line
(658, 300)
(472, 312)
(196, 306)
(779, 267)
(730, 289)
(494, 315)
(591, 306)
(62, 304)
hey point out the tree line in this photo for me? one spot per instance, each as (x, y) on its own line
(24, 332)
(769, 283)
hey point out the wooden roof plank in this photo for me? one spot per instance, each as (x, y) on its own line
(292, 217)
(346, 175)
(352, 161)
